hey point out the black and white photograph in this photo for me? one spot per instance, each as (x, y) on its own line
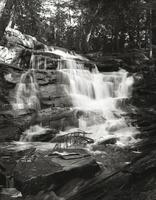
(77, 99)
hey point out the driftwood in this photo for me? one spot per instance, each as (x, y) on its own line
(74, 138)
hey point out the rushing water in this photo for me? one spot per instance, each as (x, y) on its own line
(100, 96)
(33, 131)
(26, 96)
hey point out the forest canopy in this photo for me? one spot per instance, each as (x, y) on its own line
(84, 25)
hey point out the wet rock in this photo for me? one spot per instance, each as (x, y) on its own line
(13, 123)
(133, 182)
(46, 136)
(107, 67)
(52, 91)
(10, 194)
(54, 95)
(106, 63)
(50, 195)
(40, 171)
(10, 54)
(57, 101)
(9, 162)
(108, 141)
(15, 37)
(143, 164)
(58, 118)
(9, 133)
(2, 175)
(100, 187)
(45, 77)
(134, 57)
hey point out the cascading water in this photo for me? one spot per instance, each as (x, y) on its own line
(27, 92)
(32, 132)
(100, 96)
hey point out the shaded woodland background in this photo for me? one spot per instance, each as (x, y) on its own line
(110, 26)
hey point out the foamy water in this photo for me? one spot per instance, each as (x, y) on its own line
(26, 94)
(33, 131)
(101, 97)
(101, 93)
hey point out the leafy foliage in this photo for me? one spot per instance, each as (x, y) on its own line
(27, 16)
(87, 25)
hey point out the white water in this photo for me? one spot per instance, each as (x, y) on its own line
(102, 97)
(40, 62)
(33, 131)
(26, 96)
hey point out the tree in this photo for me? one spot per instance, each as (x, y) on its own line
(5, 14)
(86, 25)
(27, 16)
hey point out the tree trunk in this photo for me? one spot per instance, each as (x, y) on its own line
(5, 14)
(154, 31)
(150, 35)
(87, 39)
(87, 32)
(116, 40)
(122, 42)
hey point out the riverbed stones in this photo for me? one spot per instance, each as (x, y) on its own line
(108, 141)
(41, 171)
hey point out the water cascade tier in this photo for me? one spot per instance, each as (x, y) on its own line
(102, 99)
(27, 92)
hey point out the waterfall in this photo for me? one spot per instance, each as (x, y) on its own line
(94, 90)
(32, 132)
(101, 96)
(27, 92)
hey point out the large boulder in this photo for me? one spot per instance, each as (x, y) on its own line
(15, 37)
(53, 170)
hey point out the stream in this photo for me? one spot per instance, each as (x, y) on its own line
(101, 97)
(92, 133)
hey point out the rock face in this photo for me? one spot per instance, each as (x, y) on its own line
(19, 55)
(2, 175)
(132, 61)
(23, 52)
(41, 171)
(51, 90)
(14, 123)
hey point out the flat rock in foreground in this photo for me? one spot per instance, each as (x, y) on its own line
(41, 171)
